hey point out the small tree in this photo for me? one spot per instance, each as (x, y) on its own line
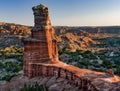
(1, 64)
(107, 63)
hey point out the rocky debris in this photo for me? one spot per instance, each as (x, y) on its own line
(52, 83)
(64, 57)
(111, 72)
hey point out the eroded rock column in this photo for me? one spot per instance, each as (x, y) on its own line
(41, 47)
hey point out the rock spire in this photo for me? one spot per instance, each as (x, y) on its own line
(41, 47)
(41, 18)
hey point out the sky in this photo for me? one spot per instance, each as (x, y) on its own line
(63, 12)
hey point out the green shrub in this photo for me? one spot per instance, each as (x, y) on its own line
(107, 63)
(1, 64)
(34, 87)
(8, 77)
(118, 69)
(85, 63)
(13, 66)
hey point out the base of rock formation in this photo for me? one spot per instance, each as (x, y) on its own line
(98, 81)
(52, 83)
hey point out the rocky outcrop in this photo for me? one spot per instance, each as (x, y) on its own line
(41, 47)
(73, 41)
(52, 83)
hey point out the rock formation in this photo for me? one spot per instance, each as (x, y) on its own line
(41, 47)
(41, 58)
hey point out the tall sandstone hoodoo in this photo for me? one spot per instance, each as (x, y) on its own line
(41, 47)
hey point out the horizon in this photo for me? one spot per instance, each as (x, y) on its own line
(82, 13)
(63, 25)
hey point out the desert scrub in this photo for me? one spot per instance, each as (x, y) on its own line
(34, 87)
(107, 63)
(8, 77)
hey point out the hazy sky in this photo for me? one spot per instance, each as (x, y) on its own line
(63, 12)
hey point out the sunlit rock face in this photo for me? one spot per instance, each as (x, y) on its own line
(41, 47)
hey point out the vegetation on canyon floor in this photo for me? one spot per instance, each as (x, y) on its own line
(11, 62)
(34, 87)
(97, 61)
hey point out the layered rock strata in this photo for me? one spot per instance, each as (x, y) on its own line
(41, 47)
